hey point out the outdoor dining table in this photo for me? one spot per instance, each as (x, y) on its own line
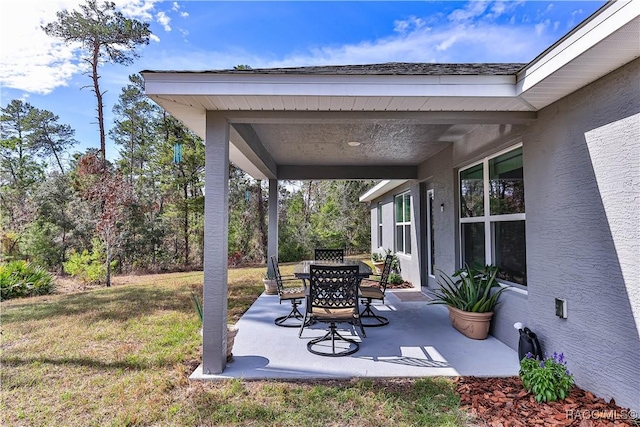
(301, 270)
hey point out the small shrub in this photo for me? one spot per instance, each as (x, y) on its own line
(395, 279)
(86, 266)
(22, 279)
(548, 379)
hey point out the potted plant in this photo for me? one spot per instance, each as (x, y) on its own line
(377, 259)
(270, 285)
(232, 330)
(468, 296)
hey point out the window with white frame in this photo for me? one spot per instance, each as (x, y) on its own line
(492, 216)
(379, 224)
(403, 222)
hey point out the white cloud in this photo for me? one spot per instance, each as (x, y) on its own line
(139, 9)
(34, 62)
(164, 20)
(176, 8)
(542, 26)
(472, 10)
(410, 24)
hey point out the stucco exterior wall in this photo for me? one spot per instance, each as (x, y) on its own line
(582, 190)
(439, 176)
(582, 200)
(409, 263)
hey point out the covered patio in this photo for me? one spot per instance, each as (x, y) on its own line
(381, 121)
(418, 342)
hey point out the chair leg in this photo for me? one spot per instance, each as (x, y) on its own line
(293, 314)
(305, 322)
(333, 335)
(369, 314)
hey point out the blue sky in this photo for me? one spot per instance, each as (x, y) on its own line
(201, 35)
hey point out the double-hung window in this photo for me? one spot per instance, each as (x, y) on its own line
(492, 216)
(379, 224)
(403, 222)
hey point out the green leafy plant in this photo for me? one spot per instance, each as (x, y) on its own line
(469, 289)
(87, 266)
(376, 257)
(395, 279)
(547, 379)
(197, 304)
(22, 279)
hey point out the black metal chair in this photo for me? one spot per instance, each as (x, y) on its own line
(293, 294)
(336, 255)
(372, 289)
(333, 299)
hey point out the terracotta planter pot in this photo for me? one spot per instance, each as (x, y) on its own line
(472, 325)
(378, 265)
(270, 286)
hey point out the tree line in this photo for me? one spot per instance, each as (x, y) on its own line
(79, 213)
(145, 210)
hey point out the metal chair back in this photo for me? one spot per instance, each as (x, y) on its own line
(386, 271)
(276, 271)
(335, 255)
(333, 287)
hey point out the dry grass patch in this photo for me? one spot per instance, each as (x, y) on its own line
(122, 356)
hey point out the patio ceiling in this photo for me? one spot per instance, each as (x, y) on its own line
(296, 123)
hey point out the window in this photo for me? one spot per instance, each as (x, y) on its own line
(379, 224)
(492, 216)
(403, 222)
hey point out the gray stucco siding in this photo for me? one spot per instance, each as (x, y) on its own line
(582, 198)
(582, 184)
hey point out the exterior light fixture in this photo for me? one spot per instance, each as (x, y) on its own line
(354, 143)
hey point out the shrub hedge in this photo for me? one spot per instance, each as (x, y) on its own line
(20, 279)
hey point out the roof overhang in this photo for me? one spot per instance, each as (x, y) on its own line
(296, 125)
(380, 189)
(604, 42)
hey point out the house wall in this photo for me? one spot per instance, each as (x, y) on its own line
(582, 189)
(409, 263)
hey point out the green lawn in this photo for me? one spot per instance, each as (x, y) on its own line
(122, 356)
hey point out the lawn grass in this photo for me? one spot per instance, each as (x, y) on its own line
(122, 356)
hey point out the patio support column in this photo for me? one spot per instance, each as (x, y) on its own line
(272, 238)
(216, 230)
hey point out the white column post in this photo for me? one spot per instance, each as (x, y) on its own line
(216, 230)
(272, 246)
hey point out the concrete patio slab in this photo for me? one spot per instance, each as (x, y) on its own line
(418, 342)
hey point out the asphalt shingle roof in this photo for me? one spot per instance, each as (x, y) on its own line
(389, 68)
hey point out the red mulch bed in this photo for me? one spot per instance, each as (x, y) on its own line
(503, 402)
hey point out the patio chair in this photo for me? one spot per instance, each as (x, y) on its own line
(333, 299)
(295, 295)
(335, 255)
(372, 289)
